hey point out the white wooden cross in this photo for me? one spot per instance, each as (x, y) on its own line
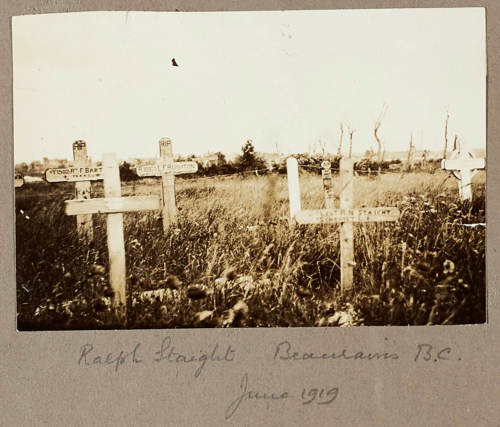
(464, 167)
(167, 169)
(81, 173)
(114, 205)
(346, 215)
(18, 180)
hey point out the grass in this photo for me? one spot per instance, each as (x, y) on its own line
(232, 260)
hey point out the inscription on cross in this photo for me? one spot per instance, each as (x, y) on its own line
(113, 205)
(167, 169)
(81, 173)
(346, 215)
(464, 167)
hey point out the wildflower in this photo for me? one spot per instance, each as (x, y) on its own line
(448, 267)
(97, 269)
(203, 316)
(172, 282)
(244, 280)
(230, 273)
(227, 317)
(195, 292)
(135, 244)
(221, 281)
(241, 308)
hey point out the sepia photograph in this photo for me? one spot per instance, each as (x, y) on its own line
(306, 168)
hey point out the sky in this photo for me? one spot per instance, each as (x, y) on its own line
(284, 79)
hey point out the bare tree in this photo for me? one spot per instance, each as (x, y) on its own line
(446, 135)
(339, 151)
(351, 132)
(378, 122)
(411, 151)
(322, 145)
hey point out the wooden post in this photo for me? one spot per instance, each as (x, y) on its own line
(464, 166)
(116, 243)
(113, 205)
(167, 169)
(292, 170)
(346, 228)
(169, 210)
(327, 184)
(346, 215)
(84, 223)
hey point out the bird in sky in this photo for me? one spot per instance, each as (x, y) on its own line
(174, 63)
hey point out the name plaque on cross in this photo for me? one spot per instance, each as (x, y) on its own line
(326, 216)
(159, 169)
(74, 174)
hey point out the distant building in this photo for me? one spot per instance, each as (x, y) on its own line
(207, 160)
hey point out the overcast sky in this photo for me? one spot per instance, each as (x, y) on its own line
(286, 78)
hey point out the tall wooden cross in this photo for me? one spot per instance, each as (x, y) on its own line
(167, 169)
(346, 215)
(113, 205)
(81, 173)
(464, 167)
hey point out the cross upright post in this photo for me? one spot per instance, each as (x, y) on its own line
(169, 209)
(346, 228)
(84, 224)
(167, 169)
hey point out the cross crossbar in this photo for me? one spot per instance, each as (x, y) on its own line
(459, 164)
(112, 205)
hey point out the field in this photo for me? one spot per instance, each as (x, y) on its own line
(233, 260)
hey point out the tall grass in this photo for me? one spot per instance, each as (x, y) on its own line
(233, 248)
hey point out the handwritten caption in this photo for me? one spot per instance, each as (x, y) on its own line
(283, 352)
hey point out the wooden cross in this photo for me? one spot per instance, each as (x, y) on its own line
(346, 215)
(464, 165)
(326, 173)
(167, 169)
(81, 173)
(114, 205)
(18, 180)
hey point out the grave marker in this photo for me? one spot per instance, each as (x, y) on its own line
(18, 180)
(167, 169)
(346, 215)
(81, 174)
(464, 167)
(326, 173)
(113, 205)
